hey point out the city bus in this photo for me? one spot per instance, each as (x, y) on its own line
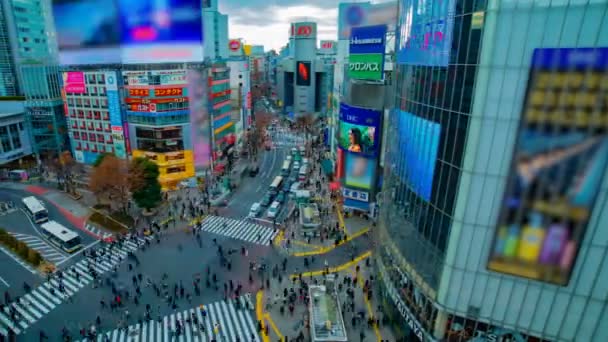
(286, 168)
(61, 236)
(35, 209)
(276, 185)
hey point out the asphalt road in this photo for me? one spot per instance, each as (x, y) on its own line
(19, 223)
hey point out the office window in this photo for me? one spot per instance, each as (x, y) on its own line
(4, 139)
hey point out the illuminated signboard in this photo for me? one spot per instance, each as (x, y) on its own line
(168, 92)
(142, 107)
(138, 100)
(303, 30)
(558, 166)
(327, 44)
(234, 45)
(139, 92)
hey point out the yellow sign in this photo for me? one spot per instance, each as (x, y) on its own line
(247, 49)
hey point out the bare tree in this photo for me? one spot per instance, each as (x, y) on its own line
(65, 169)
(110, 182)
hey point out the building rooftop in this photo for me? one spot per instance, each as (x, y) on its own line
(8, 108)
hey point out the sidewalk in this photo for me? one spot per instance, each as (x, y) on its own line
(273, 308)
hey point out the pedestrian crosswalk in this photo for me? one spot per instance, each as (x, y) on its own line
(238, 229)
(97, 232)
(19, 314)
(48, 252)
(220, 321)
(283, 138)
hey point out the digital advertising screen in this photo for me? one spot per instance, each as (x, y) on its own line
(365, 14)
(425, 32)
(558, 165)
(168, 30)
(417, 152)
(125, 31)
(359, 130)
(359, 172)
(303, 74)
(200, 129)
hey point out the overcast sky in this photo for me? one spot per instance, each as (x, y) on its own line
(266, 22)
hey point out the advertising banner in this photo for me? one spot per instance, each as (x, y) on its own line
(119, 142)
(304, 30)
(359, 171)
(416, 152)
(139, 92)
(365, 14)
(170, 77)
(359, 130)
(558, 165)
(136, 78)
(73, 82)
(303, 74)
(425, 32)
(114, 109)
(368, 39)
(139, 100)
(168, 92)
(366, 67)
(200, 120)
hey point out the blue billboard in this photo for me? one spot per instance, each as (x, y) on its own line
(416, 153)
(367, 39)
(425, 32)
(359, 130)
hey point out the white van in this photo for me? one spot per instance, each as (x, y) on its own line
(255, 209)
(274, 209)
(303, 173)
(294, 187)
(305, 161)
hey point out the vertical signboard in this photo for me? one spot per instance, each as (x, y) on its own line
(200, 124)
(303, 74)
(425, 32)
(115, 114)
(366, 58)
(558, 165)
(365, 14)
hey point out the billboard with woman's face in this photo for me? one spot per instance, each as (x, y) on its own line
(359, 130)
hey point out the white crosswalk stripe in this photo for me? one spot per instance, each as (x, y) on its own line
(98, 232)
(238, 229)
(43, 247)
(232, 321)
(18, 316)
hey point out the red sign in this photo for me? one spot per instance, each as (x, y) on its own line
(234, 45)
(221, 93)
(139, 92)
(135, 100)
(327, 45)
(168, 92)
(301, 31)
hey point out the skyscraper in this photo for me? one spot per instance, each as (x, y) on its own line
(215, 30)
(493, 214)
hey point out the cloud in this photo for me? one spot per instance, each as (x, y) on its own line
(267, 22)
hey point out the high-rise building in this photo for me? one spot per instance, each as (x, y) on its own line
(215, 30)
(240, 95)
(44, 109)
(26, 37)
(493, 208)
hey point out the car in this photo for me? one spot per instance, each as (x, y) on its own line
(302, 149)
(266, 200)
(255, 210)
(295, 187)
(296, 166)
(294, 151)
(273, 211)
(286, 186)
(254, 171)
(288, 158)
(281, 197)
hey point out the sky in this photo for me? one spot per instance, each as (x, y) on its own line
(266, 22)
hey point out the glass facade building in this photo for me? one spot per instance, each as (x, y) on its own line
(443, 189)
(14, 139)
(44, 110)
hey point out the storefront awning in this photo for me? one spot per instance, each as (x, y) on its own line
(327, 166)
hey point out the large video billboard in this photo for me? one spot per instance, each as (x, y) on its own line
(359, 130)
(303, 74)
(200, 120)
(425, 32)
(73, 82)
(558, 165)
(125, 31)
(365, 14)
(359, 172)
(417, 152)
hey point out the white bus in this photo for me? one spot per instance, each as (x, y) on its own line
(286, 168)
(61, 236)
(35, 209)
(276, 185)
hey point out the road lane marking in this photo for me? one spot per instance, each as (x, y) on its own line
(79, 252)
(4, 282)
